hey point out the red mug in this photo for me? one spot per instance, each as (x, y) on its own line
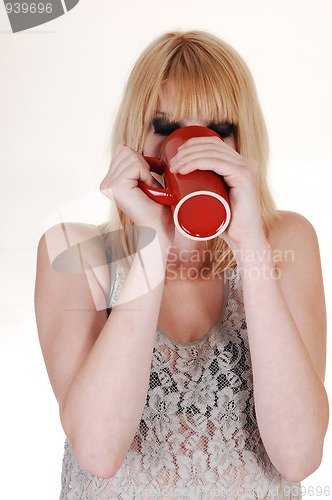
(198, 200)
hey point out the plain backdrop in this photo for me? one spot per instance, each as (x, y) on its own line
(60, 87)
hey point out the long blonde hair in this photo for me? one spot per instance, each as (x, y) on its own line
(211, 80)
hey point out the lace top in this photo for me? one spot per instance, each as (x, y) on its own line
(198, 436)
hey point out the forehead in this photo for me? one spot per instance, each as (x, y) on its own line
(187, 98)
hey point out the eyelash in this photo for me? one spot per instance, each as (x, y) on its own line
(223, 134)
(166, 130)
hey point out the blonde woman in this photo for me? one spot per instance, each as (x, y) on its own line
(192, 369)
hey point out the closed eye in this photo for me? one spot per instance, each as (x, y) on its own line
(223, 129)
(164, 127)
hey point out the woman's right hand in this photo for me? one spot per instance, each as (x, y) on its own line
(121, 185)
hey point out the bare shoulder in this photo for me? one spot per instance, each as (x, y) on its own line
(291, 230)
(73, 248)
(72, 232)
(70, 300)
(295, 248)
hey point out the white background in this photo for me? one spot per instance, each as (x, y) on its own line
(60, 87)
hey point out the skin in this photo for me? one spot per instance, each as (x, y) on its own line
(286, 319)
(186, 322)
(93, 361)
(152, 147)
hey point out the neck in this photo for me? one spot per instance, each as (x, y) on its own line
(184, 257)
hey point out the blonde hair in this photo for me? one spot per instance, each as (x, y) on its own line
(211, 80)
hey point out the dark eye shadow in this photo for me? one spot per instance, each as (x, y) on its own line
(223, 129)
(164, 127)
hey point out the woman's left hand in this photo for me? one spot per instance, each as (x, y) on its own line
(245, 230)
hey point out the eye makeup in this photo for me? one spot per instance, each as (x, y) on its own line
(164, 127)
(224, 129)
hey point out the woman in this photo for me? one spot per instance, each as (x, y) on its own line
(206, 380)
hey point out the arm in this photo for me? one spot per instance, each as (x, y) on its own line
(99, 367)
(286, 321)
(286, 317)
(105, 401)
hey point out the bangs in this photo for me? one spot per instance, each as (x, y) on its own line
(197, 76)
(200, 89)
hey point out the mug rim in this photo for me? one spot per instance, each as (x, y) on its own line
(191, 195)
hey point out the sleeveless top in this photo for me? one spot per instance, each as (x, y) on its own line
(198, 436)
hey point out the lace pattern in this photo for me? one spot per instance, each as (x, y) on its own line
(198, 436)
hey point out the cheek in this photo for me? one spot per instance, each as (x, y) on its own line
(231, 141)
(153, 144)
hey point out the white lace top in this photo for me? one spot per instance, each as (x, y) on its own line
(198, 437)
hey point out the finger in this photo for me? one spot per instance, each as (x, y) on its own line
(129, 168)
(128, 158)
(118, 162)
(227, 152)
(194, 153)
(188, 157)
(138, 171)
(211, 140)
(221, 167)
(122, 152)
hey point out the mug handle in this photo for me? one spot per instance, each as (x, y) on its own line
(160, 195)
